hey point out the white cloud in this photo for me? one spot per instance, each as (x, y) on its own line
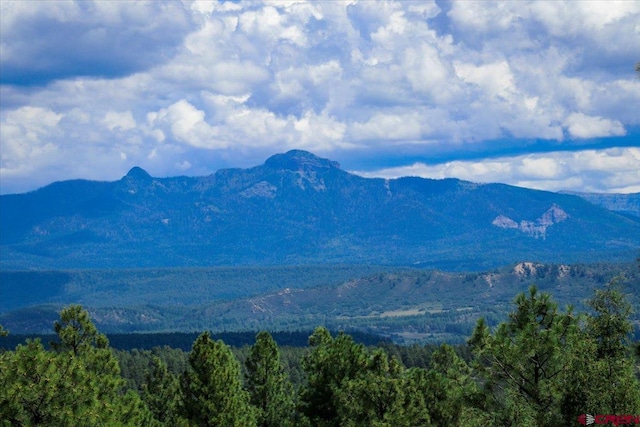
(426, 71)
(270, 24)
(116, 120)
(495, 79)
(305, 84)
(238, 126)
(582, 126)
(187, 124)
(486, 16)
(587, 17)
(320, 132)
(389, 127)
(207, 7)
(33, 119)
(540, 167)
(24, 135)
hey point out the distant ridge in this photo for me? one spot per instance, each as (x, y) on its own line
(301, 208)
(628, 204)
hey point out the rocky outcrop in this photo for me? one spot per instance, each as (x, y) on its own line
(537, 228)
(261, 189)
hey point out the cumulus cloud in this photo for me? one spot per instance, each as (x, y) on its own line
(36, 150)
(198, 85)
(24, 138)
(388, 126)
(582, 126)
(187, 125)
(116, 120)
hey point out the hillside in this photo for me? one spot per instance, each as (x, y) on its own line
(402, 303)
(298, 208)
(628, 204)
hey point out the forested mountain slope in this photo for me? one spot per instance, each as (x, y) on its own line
(299, 208)
(628, 204)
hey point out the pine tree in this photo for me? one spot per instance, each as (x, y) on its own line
(78, 338)
(77, 385)
(602, 376)
(76, 332)
(375, 397)
(449, 387)
(609, 326)
(212, 387)
(416, 384)
(330, 364)
(161, 393)
(522, 362)
(269, 388)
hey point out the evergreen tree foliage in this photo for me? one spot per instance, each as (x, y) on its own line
(330, 363)
(442, 394)
(415, 404)
(212, 392)
(76, 332)
(609, 326)
(450, 386)
(269, 388)
(602, 377)
(521, 363)
(161, 393)
(375, 396)
(77, 385)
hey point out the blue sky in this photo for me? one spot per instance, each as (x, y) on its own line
(540, 94)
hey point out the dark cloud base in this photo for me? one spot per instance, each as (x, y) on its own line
(45, 48)
(437, 154)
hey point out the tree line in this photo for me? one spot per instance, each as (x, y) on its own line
(542, 366)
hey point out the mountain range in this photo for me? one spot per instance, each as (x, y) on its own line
(298, 208)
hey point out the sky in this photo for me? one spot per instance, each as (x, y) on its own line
(539, 94)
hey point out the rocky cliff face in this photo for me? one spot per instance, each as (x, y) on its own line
(536, 228)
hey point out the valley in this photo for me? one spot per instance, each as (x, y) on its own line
(403, 304)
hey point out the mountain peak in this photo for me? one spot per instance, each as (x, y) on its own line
(138, 173)
(300, 160)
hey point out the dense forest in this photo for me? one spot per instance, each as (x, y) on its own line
(542, 366)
